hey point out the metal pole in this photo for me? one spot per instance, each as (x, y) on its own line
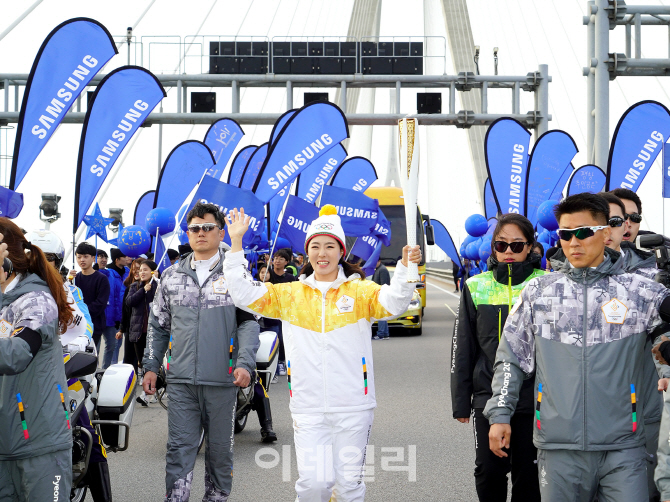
(542, 98)
(6, 86)
(589, 20)
(484, 92)
(516, 91)
(184, 94)
(452, 98)
(179, 96)
(602, 98)
(628, 41)
(19, 19)
(235, 92)
(79, 103)
(397, 97)
(160, 145)
(16, 98)
(289, 95)
(638, 36)
(343, 96)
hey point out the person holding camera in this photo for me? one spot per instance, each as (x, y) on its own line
(211, 348)
(36, 440)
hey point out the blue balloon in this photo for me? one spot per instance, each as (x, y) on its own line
(492, 226)
(161, 219)
(545, 215)
(476, 225)
(134, 241)
(182, 236)
(472, 251)
(485, 251)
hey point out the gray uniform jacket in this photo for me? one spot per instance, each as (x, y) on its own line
(640, 262)
(33, 420)
(582, 334)
(197, 327)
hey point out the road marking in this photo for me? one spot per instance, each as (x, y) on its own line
(444, 290)
(452, 310)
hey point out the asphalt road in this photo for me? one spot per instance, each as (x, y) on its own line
(413, 415)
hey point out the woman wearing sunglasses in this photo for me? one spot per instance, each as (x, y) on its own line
(485, 304)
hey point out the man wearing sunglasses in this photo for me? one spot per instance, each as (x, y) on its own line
(633, 213)
(581, 334)
(211, 351)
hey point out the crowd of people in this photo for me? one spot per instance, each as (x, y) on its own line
(570, 359)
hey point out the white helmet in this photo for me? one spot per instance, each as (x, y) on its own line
(48, 242)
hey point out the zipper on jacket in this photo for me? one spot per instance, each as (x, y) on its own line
(509, 287)
(197, 336)
(584, 358)
(499, 323)
(323, 347)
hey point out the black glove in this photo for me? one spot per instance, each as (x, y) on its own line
(117, 325)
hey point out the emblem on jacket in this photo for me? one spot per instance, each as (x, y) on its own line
(345, 304)
(5, 329)
(615, 311)
(220, 286)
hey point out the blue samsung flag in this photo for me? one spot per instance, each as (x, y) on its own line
(11, 203)
(279, 125)
(371, 262)
(222, 137)
(253, 168)
(666, 171)
(638, 138)
(121, 103)
(365, 246)
(307, 135)
(297, 217)
(184, 167)
(588, 178)
(239, 164)
(551, 154)
(312, 179)
(160, 256)
(444, 241)
(72, 54)
(506, 151)
(557, 193)
(228, 197)
(144, 204)
(383, 228)
(357, 211)
(490, 203)
(356, 173)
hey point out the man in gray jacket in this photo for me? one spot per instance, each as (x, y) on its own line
(581, 334)
(211, 351)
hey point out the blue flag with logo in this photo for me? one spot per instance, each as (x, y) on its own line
(312, 179)
(144, 204)
(551, 154)
(371, 262)
(490, 203)
(308, 134)
(365, 246)
(638, 139)
(298, 214)
(121, 103)
(444, 241)
(588, 178)
(228, 197)
(279, 125)
(11, 203)
(254, 166)
(160, 256)
(71, 55)
(222, 137)
(506, 151)
(239, 164)
(183, 169)
(357, 211)
(275, 206)
(356, 173)
(557, 193)
(383, 228)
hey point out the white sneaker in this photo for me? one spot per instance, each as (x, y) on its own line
(281, 369)
(275, 379)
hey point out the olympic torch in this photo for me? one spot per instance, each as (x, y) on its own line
(408, 166)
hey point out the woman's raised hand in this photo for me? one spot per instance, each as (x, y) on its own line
(411, 254)
(237, 224)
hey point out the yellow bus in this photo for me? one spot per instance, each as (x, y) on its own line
(393, 206)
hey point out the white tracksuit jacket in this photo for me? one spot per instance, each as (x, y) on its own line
(327, 337)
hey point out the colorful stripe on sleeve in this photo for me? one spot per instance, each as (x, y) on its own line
(230, 362)
(288, 374)
(633, 401)
(62, 400)
(365, 376)
(23, 417)
(537, 407)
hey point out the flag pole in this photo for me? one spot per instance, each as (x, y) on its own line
(282, 219)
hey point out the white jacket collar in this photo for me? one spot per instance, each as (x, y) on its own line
(341, 279)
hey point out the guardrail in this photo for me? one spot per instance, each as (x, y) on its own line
(446, 275)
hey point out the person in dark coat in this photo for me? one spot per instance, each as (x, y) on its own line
(129, 356)
(139, 299)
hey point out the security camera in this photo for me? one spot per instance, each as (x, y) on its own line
(495, 51)
(117, 214)
(476, 50)
(49, 207)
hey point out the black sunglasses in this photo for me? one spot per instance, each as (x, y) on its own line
(581, 232)
(634, 217)
(615, 221)
(195, 228)
(516, 247)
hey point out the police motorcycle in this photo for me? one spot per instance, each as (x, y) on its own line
(99, 403)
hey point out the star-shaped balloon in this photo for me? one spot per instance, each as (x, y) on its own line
(97, 223)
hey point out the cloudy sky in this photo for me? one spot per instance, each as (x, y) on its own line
(527, 33)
